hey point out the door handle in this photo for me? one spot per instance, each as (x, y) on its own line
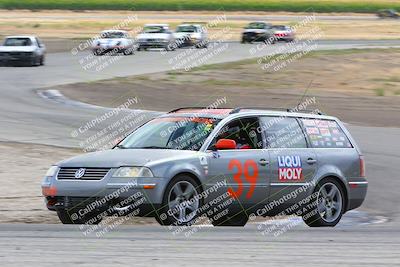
(263, 162)
(311, 161)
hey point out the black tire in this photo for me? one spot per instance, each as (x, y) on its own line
(127, 52)
(313, 217)
(238, 219)
(65, 218)
(33, 62)
(163, 215)
(41, 60)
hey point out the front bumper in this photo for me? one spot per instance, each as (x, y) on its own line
(153, 44)
(16, 57)
(111, 191)
(110, 49)
(253, 37)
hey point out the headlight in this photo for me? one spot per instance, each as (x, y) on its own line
(131, 172)
(52, 171)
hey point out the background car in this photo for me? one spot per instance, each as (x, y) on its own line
(113, 41)
(191, 35)
(283, 33)
(257, 32)
(388, 13)
(23, 49)
(156, 36)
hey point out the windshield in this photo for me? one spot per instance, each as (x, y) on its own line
(18, 42)
(188, 28)
(110, 35)
(256, 25)
(182, 133)
(154, 29)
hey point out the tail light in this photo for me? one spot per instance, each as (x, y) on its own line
(362, 166)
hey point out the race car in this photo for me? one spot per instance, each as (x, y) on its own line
(22, 50)
(388, 13)
(227, 164)
(191, 35)
(156, 36)
(258, 32)
(283, 33)
(111, 42)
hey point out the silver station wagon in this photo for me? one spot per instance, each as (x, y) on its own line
(223, 165)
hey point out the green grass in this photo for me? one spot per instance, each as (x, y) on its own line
(227, 5)
(380, 92)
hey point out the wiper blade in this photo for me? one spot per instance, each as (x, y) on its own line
(122, 147)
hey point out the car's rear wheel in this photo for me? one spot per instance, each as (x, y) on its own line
(181, 202)
(239, 219)
(328, 204)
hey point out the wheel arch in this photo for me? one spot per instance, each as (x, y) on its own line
(190, 174)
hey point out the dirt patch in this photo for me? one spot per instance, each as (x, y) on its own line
(86, 24)
(359, 86)
(22, 169)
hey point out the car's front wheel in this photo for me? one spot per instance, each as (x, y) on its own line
(41, 60)
(328, 204)
(181, 202)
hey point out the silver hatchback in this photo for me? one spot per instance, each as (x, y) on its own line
(222, 164)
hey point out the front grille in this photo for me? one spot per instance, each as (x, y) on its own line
(90, 173)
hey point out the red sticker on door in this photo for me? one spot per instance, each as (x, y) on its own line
(290, 168)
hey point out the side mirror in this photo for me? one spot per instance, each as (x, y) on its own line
(225, 144)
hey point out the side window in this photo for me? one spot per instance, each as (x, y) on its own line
(283, 132)
(325, 134)
(244, 132)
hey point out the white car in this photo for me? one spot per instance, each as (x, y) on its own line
(156, 36)
(113, 42)
(191, 35)
(22, 49)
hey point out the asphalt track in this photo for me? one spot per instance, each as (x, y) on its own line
(26, 117)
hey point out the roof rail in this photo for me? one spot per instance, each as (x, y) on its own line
(318, 112)
(177, 109)
(238, 109)
(205, 108)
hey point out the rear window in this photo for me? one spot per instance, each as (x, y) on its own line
(325, 134)
(18, 42)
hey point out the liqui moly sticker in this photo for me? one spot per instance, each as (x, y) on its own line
(289, 168)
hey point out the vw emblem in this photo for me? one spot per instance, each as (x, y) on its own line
(80, 173)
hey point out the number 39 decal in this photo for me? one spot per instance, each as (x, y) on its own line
(249, 175)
